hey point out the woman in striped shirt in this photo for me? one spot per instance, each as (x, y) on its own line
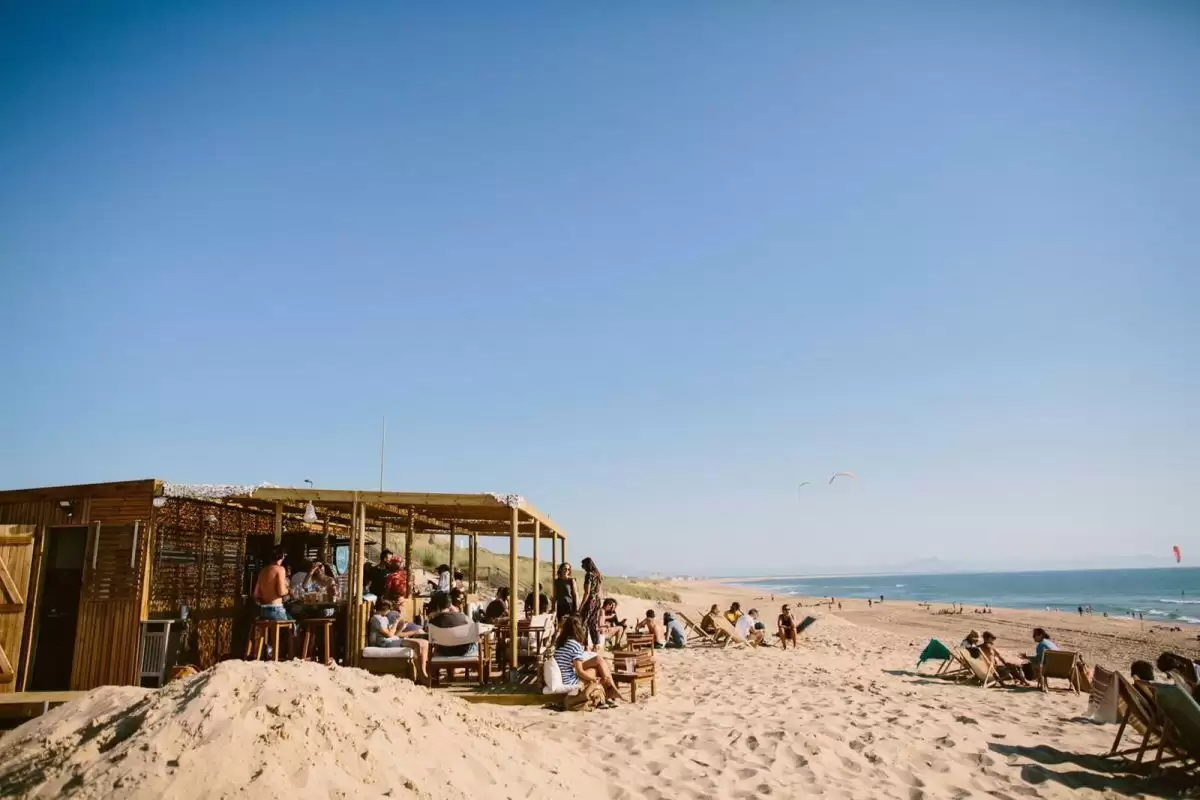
(579, 666)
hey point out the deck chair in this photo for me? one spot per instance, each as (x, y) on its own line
(1104, 702)
(1180, 717)
(981, 670)
(1060, 664)
(936, 651)
(694, 630)
(718, 636)
(1138, 711)
(730, 633)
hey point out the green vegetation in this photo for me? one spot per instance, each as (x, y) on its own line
(493, 571)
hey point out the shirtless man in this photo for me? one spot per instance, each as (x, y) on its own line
(272, 586)
(652, 625)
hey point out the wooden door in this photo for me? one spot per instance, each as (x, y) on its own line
(16, 562)
(106, 644)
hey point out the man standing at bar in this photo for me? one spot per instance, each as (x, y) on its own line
(272, 586)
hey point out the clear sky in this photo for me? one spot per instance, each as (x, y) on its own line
(649, 264)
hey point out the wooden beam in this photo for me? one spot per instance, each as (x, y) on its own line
(474, 545)
(278, 522)
(451, 564)
(564, 550)
(408, 570)
(554, 573)
(537, 534)
(513, 591)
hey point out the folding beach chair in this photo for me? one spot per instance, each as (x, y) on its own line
(936, 651)
(694, 630)
(1139, 711)
(731, 634)
(1060, 664)
(981, 670)
(1180, 717)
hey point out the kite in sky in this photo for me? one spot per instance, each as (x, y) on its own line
(837, 475)
(1178, 554)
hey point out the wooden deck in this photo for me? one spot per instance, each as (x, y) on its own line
(23, 705)
(498, 694)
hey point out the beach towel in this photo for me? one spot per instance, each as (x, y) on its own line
(934, 651)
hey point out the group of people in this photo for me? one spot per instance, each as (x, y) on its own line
(279, 588)
(747, 624)
(387, 627)
(1022, 672)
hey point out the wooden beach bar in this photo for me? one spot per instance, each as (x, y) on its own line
(98, 582)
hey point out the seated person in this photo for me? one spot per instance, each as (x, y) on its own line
(442, 584)
(611, 627)
(498, 608)
(299, 578)
(459, 582)
(386, 629)
(443, 615)
(1180, 665)
(750, 628)
(706, 622)
(320, 580)
(458, 599)
(1032, 668)
(651, 624)
(1004, 668)
(971, 641)
(543, 603)
(787, 627)
(734, 613)
(1143, 671)
(676, 635)
(577, 665)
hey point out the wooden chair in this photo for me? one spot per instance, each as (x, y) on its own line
(638, 641)
(317, 629)
(269, 629)
(695, 630)
(1179, 714)
(1060, 664)
(1138, 709)
(634, 667)
(729, 632)
(480, 662)
(981, 670)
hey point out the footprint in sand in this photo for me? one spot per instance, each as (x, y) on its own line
(752, 742)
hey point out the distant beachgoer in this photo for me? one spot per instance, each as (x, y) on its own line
(1081, 611)
(676, 635)
(881, 598)
(593, 597)
(654, 627)
(1140, 617)
(870, 602)
(839, 605)
(565, 593)
(272, 587)
(787, 627)
(1004, 668)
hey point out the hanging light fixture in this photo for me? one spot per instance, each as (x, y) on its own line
(310, 513)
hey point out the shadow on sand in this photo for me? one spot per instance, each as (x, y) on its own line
(1098, 773)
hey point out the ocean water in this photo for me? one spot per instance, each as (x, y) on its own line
(1162, 595)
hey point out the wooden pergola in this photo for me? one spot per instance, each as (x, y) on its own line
(413, 513)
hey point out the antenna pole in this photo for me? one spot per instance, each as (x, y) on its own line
(382, 446)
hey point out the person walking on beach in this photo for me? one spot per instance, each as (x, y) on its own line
(589, 606)
(1081, 611)
(566, 593)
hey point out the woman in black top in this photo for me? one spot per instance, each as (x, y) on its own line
(565, 592)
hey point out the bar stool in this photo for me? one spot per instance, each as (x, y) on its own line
(265, 629)
(314, 628)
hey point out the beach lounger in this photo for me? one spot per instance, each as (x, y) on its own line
(1104, 702)
(1138, 710)
(981, 670)
(1180, 717)
(948, 665)
(730, 633)
(695, 630)
(1061, 664)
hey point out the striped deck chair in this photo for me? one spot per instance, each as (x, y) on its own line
(1137, 710)
(731, 634)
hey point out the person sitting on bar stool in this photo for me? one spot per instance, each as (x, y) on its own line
(272, 587)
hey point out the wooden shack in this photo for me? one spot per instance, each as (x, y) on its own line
(84, 568)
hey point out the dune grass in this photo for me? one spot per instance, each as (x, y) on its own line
(493, 571)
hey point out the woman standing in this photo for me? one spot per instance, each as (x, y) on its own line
(565, 593)
(589, 606)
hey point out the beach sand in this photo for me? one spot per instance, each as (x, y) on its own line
(845, 715)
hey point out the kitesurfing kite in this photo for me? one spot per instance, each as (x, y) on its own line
(802, 485)
(837, 475)
(1178, 554)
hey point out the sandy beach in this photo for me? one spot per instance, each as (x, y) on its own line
(845, 715)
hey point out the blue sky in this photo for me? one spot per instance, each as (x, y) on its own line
(650, 265)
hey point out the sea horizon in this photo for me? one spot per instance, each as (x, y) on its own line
(1162, 595)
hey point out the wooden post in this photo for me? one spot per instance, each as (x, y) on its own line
(278, 523)
(383, 542)
(451, 564)
(513, 617)
(408, 570)
(474, 545)
(354, 622)
(564, 550)
(554, 572)
(326, 557)
(537, 534)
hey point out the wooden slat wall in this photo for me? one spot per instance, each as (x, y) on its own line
(109, 630)
(106, 647)
(16, 551)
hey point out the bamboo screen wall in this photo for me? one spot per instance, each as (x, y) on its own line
(202, 553)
